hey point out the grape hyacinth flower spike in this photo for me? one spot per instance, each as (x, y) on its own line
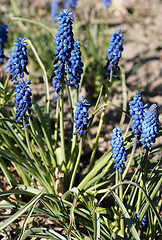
(18, 60)
(107, 3)
(23, 101)
(75, 66)
(143, 222)
(114, 53)
(3, 40)
(54, 10)
(150, 127)
(136, 111)
(81, 116)
(118, 150)
(64, 44)
(17, 64)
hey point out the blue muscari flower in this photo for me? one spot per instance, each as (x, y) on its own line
(150, 127)
(70, 4)
(136, 111)
(3, 40)
(107, 3)
(74, 68)
(64, 44)
(17, 66)
(118, 150)
(81, 116)
(54, 10)
(143, 222)
(18, 59)
(114, 52)
(23, 101)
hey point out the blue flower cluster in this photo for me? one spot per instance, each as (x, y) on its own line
(75, 68)
(16, 65)
(18, 60)
(64, 44)
(107, 3)
(136, 111)
(118, 150)
(3, 40)
(81, 116)
(64, 40)
(54, 10)
(23, 101)
(145, 122)
(115, 52)
(143, 222)
(150, 126)
(70, 4)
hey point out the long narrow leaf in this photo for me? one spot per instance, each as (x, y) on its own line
(96, 225)
(149, 199)
(26, 220)
(126, 216)
(21, 211)
(44, 233)
(100, 164)
(16, 137)
(72, 219)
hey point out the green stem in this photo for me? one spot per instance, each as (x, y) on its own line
(124, 95)
(62, 126)
(116, 181)
(145, 162)
(95, 109)
(127, 130)
(56, 124)
(71, 139)
(131, 158)
(73, 145)
(121, 198)
(100, 123)
(143, 181)
(116, 191)
(76, 164)
(98, 134)
(138, 207)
